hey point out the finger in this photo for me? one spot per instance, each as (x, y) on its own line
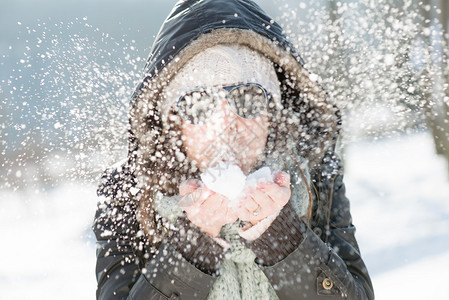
(255, 205)
(282, 178)
(208, 219)
(212, 204)
(231, 216)
(200, 195)
(244, 214)
(188, 186)
(186, 201)
(252, 216)
(214, 217)
(266, 203)
(249, 203)
(225, 215)
(278, 194)
(191, 204)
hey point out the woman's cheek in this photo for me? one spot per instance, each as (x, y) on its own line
(195, 143)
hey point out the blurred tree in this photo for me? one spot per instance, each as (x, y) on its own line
(426, 82)
(436, 76)
(444, 119)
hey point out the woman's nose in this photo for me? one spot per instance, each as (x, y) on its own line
(226, 114)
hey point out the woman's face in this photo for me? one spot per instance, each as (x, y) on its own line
(226, 137)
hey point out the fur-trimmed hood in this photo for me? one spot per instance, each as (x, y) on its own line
(194, 25)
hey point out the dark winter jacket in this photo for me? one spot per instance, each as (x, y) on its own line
(321, 260)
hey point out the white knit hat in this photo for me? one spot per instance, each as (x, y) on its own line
(222, 65)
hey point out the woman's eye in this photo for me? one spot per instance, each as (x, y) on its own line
(196, 107)
(248, 101)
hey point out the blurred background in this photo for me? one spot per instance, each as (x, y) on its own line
(68, 68)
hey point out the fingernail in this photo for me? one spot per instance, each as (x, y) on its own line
(279, 179)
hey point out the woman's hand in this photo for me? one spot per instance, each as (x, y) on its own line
(264, 200)
(205, 208)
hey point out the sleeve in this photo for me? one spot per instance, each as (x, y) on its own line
(117, 266)
(165, 275)
(196, 247)
(302, 265)
(126, 270)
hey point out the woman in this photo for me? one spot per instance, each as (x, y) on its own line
(223, 85)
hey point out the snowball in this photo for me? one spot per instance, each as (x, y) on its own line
(229, 180)
(225, 179)
(261, 175)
